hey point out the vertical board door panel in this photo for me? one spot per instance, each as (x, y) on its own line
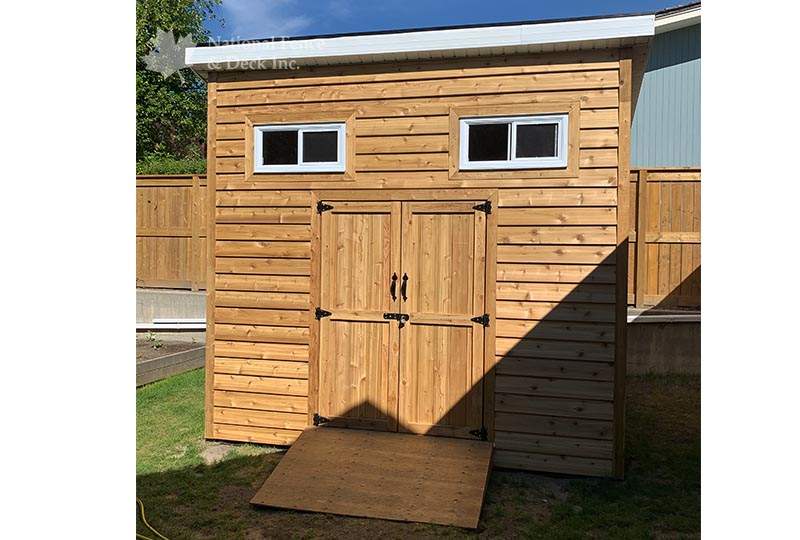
(358, 347)
(441, 350)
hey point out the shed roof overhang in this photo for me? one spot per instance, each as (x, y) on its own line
(431, 43)
(677, 18)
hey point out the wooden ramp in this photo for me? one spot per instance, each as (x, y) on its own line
(382, 475)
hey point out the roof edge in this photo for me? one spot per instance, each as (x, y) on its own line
(677, 18)
(450, 42)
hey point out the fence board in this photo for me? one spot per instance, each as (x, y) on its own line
(666, 212)
(171, 231)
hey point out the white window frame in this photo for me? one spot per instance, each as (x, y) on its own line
(327, 166)
(513, 162)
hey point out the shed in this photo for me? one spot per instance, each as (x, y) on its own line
(424, 232)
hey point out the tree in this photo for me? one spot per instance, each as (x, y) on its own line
(171, 112)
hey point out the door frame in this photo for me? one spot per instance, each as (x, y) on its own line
(408, 195)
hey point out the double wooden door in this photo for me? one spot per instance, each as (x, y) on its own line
(400, 283)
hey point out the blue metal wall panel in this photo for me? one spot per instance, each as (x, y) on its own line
(666, 124)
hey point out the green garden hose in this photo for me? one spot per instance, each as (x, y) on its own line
(144, 519)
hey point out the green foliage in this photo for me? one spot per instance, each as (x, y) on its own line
(171, 112)
(170, 165)
(153, 339)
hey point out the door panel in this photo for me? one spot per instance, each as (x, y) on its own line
(354, 377)
(441, 350)
(359, 348)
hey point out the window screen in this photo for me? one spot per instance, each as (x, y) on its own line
(280, 147)
(320, 146)
(488, 142)
(537, 140)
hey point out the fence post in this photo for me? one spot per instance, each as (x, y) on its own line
(641, 239)
(194, 260)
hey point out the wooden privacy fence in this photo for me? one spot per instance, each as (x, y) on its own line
(171, 231)
(664, 269)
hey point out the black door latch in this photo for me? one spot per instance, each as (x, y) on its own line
(399, 317)
(320, 313)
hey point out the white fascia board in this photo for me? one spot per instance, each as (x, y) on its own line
(667, 318)
(363, 47)
(676, 21)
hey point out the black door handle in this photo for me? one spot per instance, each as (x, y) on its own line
(404, 286)
(393, 286)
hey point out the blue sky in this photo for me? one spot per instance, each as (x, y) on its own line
(252, 19)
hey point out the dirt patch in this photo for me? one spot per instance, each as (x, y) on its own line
(215, 452)
(147, 349)
(517, 497)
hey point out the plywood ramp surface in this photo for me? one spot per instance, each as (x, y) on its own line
(382, 475)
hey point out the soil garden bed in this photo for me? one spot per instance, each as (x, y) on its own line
(156, 359)
(149, 349)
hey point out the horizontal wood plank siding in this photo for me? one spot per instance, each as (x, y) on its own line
(554, 352)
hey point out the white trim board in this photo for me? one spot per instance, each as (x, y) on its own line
(664, 318)
(421, 44)
(171, 326)
(667, 22)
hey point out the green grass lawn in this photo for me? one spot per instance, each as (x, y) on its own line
(186, 498)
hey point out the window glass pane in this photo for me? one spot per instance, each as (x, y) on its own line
(280, 147)
(320, 146)
(536, 140)
(488, 142)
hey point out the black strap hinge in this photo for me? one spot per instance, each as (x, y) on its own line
(321, 207)
(319, 420)
(481, 433)
(484, 207)
(320, 313)
(481, 319)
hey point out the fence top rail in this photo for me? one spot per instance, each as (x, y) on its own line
(158, 180)
(667, 174)
(666, 169)
(153, 176)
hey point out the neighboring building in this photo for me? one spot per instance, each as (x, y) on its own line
(666, 122)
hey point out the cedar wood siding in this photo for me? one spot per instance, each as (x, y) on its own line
(557, 265)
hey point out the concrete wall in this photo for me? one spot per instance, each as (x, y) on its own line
(663, 348)
(169, 304)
